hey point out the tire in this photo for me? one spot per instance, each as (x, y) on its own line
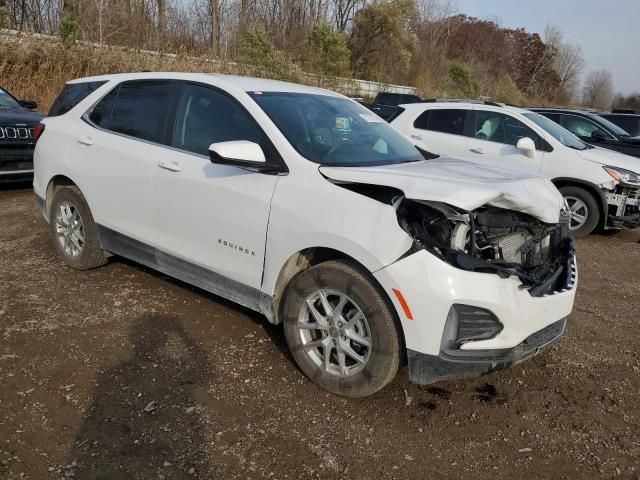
(73, 230)
(585, 202)
(346, 284)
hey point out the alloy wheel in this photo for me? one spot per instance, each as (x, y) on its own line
(334, 332)
(578, 212)
(69, 229)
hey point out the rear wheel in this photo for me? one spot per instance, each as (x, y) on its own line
(583, 209)
(341, 331)
(74, 231)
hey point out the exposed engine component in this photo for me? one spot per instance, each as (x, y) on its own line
(493, 240)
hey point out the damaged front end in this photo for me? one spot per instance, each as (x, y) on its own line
(494, 240)
(623, 205)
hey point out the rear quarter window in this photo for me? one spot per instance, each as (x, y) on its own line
(71, 95)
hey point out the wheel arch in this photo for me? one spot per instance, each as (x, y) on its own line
(304, 259)
(55, 183)
(592, 188)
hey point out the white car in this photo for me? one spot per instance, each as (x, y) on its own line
(602, 187)
(301, 204)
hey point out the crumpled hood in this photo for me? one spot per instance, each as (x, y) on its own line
(612, 158)
(461, 184)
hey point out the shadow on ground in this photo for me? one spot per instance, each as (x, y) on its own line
(143, 422)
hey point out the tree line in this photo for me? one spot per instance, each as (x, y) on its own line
(422, 43)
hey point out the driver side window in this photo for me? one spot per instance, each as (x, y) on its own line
(581, 126)
(207, 116)
(500, 128)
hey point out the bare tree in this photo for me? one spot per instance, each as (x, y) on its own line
(568, 62)
(597, 91)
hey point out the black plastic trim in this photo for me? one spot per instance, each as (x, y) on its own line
(425, 369)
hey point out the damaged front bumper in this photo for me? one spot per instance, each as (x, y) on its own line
(623, 208)
(438, 348)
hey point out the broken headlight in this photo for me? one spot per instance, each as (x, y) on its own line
(504, 242)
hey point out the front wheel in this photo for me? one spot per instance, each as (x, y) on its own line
(583, 210)
(341, 331)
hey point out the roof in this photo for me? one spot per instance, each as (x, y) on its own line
(457, 105)
(246, 84)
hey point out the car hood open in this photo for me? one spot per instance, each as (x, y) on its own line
(461, 184)
(612, 158)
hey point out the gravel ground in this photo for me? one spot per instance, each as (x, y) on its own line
(121, 372)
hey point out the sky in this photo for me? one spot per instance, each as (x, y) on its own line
(607, 30)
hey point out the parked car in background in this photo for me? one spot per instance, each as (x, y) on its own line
(594, 129)
(18, 134)
(305, 206)
(386, 103)
(601, 187)
(629, 122)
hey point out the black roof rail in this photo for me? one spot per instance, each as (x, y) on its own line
(463, 100)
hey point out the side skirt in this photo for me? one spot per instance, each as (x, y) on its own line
(175, 267)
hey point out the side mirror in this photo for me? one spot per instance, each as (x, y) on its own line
(30, 104)
(527, 146)
(598, 135)
(241, 153)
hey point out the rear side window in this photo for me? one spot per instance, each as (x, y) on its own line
(422, 122)
(101, 113)
(138, 109)
(448, 121)
(71, 95)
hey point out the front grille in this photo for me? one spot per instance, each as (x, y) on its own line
(16, 133)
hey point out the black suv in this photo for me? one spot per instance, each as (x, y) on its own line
(386, 103)
(628, 121)
(594, 129)
(18, 132)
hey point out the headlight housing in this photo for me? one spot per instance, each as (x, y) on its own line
(623, 176)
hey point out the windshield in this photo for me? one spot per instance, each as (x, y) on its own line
(561, 134)
(7, 101)
(612, 127)
(336, 131)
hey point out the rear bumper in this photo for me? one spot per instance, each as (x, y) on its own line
(452, 364)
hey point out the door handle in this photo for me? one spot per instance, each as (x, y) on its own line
(172, 166)
(85, 140)
(416, 137)
(477, 150)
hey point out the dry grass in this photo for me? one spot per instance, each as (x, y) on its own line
(38, 67)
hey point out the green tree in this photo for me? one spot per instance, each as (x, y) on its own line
(460, 76)
(382, 40)
(256, 51)
(67, 28)
(326, 52)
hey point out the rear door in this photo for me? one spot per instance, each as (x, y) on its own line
(115, 150)
(495, 135)
(441, 131)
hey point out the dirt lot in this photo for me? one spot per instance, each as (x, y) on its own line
(123, 373)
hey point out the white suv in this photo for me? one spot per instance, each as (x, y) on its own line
(301, 204)
(602, 187)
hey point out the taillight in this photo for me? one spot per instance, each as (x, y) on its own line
(37, 131)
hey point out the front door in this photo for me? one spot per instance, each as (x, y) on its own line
(210, 215)
(495, 136)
